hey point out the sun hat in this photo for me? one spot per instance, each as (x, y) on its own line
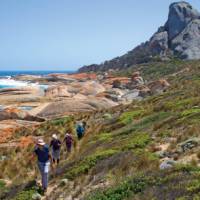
(41, 142)
(54, 136)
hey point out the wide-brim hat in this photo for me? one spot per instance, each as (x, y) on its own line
(54, 136)
(41, 142)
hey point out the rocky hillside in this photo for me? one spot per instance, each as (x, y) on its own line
(149, 149)
(179, 37)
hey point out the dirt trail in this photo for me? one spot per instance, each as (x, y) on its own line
(49, 191)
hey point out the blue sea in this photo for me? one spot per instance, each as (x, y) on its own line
(15, 73)
(7, 81)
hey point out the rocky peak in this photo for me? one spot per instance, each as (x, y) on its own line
(180, 14)
(179, 37)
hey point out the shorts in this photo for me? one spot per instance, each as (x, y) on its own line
(56, 154)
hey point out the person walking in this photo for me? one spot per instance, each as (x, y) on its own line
(55, 144)
(80, 130)
(44, 158)
(68, 141)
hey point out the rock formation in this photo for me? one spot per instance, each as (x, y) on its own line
(157, 87)
(179, 37)
(17, 114)
(72, 105)
(57, 91)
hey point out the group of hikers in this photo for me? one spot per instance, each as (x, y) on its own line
(47, 154)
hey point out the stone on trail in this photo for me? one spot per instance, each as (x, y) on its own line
(167, 164)
(189, 144)
(162, 154)
(36, 196)
(64, 182)
(107, 116)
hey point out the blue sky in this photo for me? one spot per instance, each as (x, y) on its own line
(67, 34)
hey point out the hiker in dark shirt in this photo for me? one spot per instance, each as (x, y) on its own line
(56, 146)
(68, 141)
(80, 129)
(44, 158)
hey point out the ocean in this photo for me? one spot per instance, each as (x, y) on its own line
(7, 81)
(15, 73)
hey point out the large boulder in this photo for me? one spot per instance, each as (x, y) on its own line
(15, 113)
(86, 88)
(117, 82)
(132, 95)
(20, 91)
(57, 91)
(159, 86)
(159, 43)
(26, 94)
(91, 88)
(72, 105)
(136, 80)
(72, 77)
(144, 91)
(187, 44)
(180, 14)
(114, 94)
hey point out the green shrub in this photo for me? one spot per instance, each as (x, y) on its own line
(164, 134)
(156, 117)
(182, 198)
(128, 117)
(182, 104)
(85, 165)
(25, 195)
(122, 191)
(190, 112)
(61, 121)
(139, 140)
(187, 168)
(104, 137)
(196, 197)
(2, 184)
(193, 186)
(143, 124)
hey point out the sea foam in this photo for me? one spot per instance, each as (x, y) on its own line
(11, 83)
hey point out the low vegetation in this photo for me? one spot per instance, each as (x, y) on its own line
(120, 154)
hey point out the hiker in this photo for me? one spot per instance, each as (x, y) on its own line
(84, 125)
(80, 130)
(44, 158)
(56, 145)
(68, 141)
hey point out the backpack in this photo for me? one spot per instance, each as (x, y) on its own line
(80, 131)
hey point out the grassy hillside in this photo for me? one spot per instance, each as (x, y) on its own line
(120, 154)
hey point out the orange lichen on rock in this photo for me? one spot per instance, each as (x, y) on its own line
(123, 80)
(8, 129)
(15, 111)
(26, 141)
(80, 76)
(91, 76)
(6, 134)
